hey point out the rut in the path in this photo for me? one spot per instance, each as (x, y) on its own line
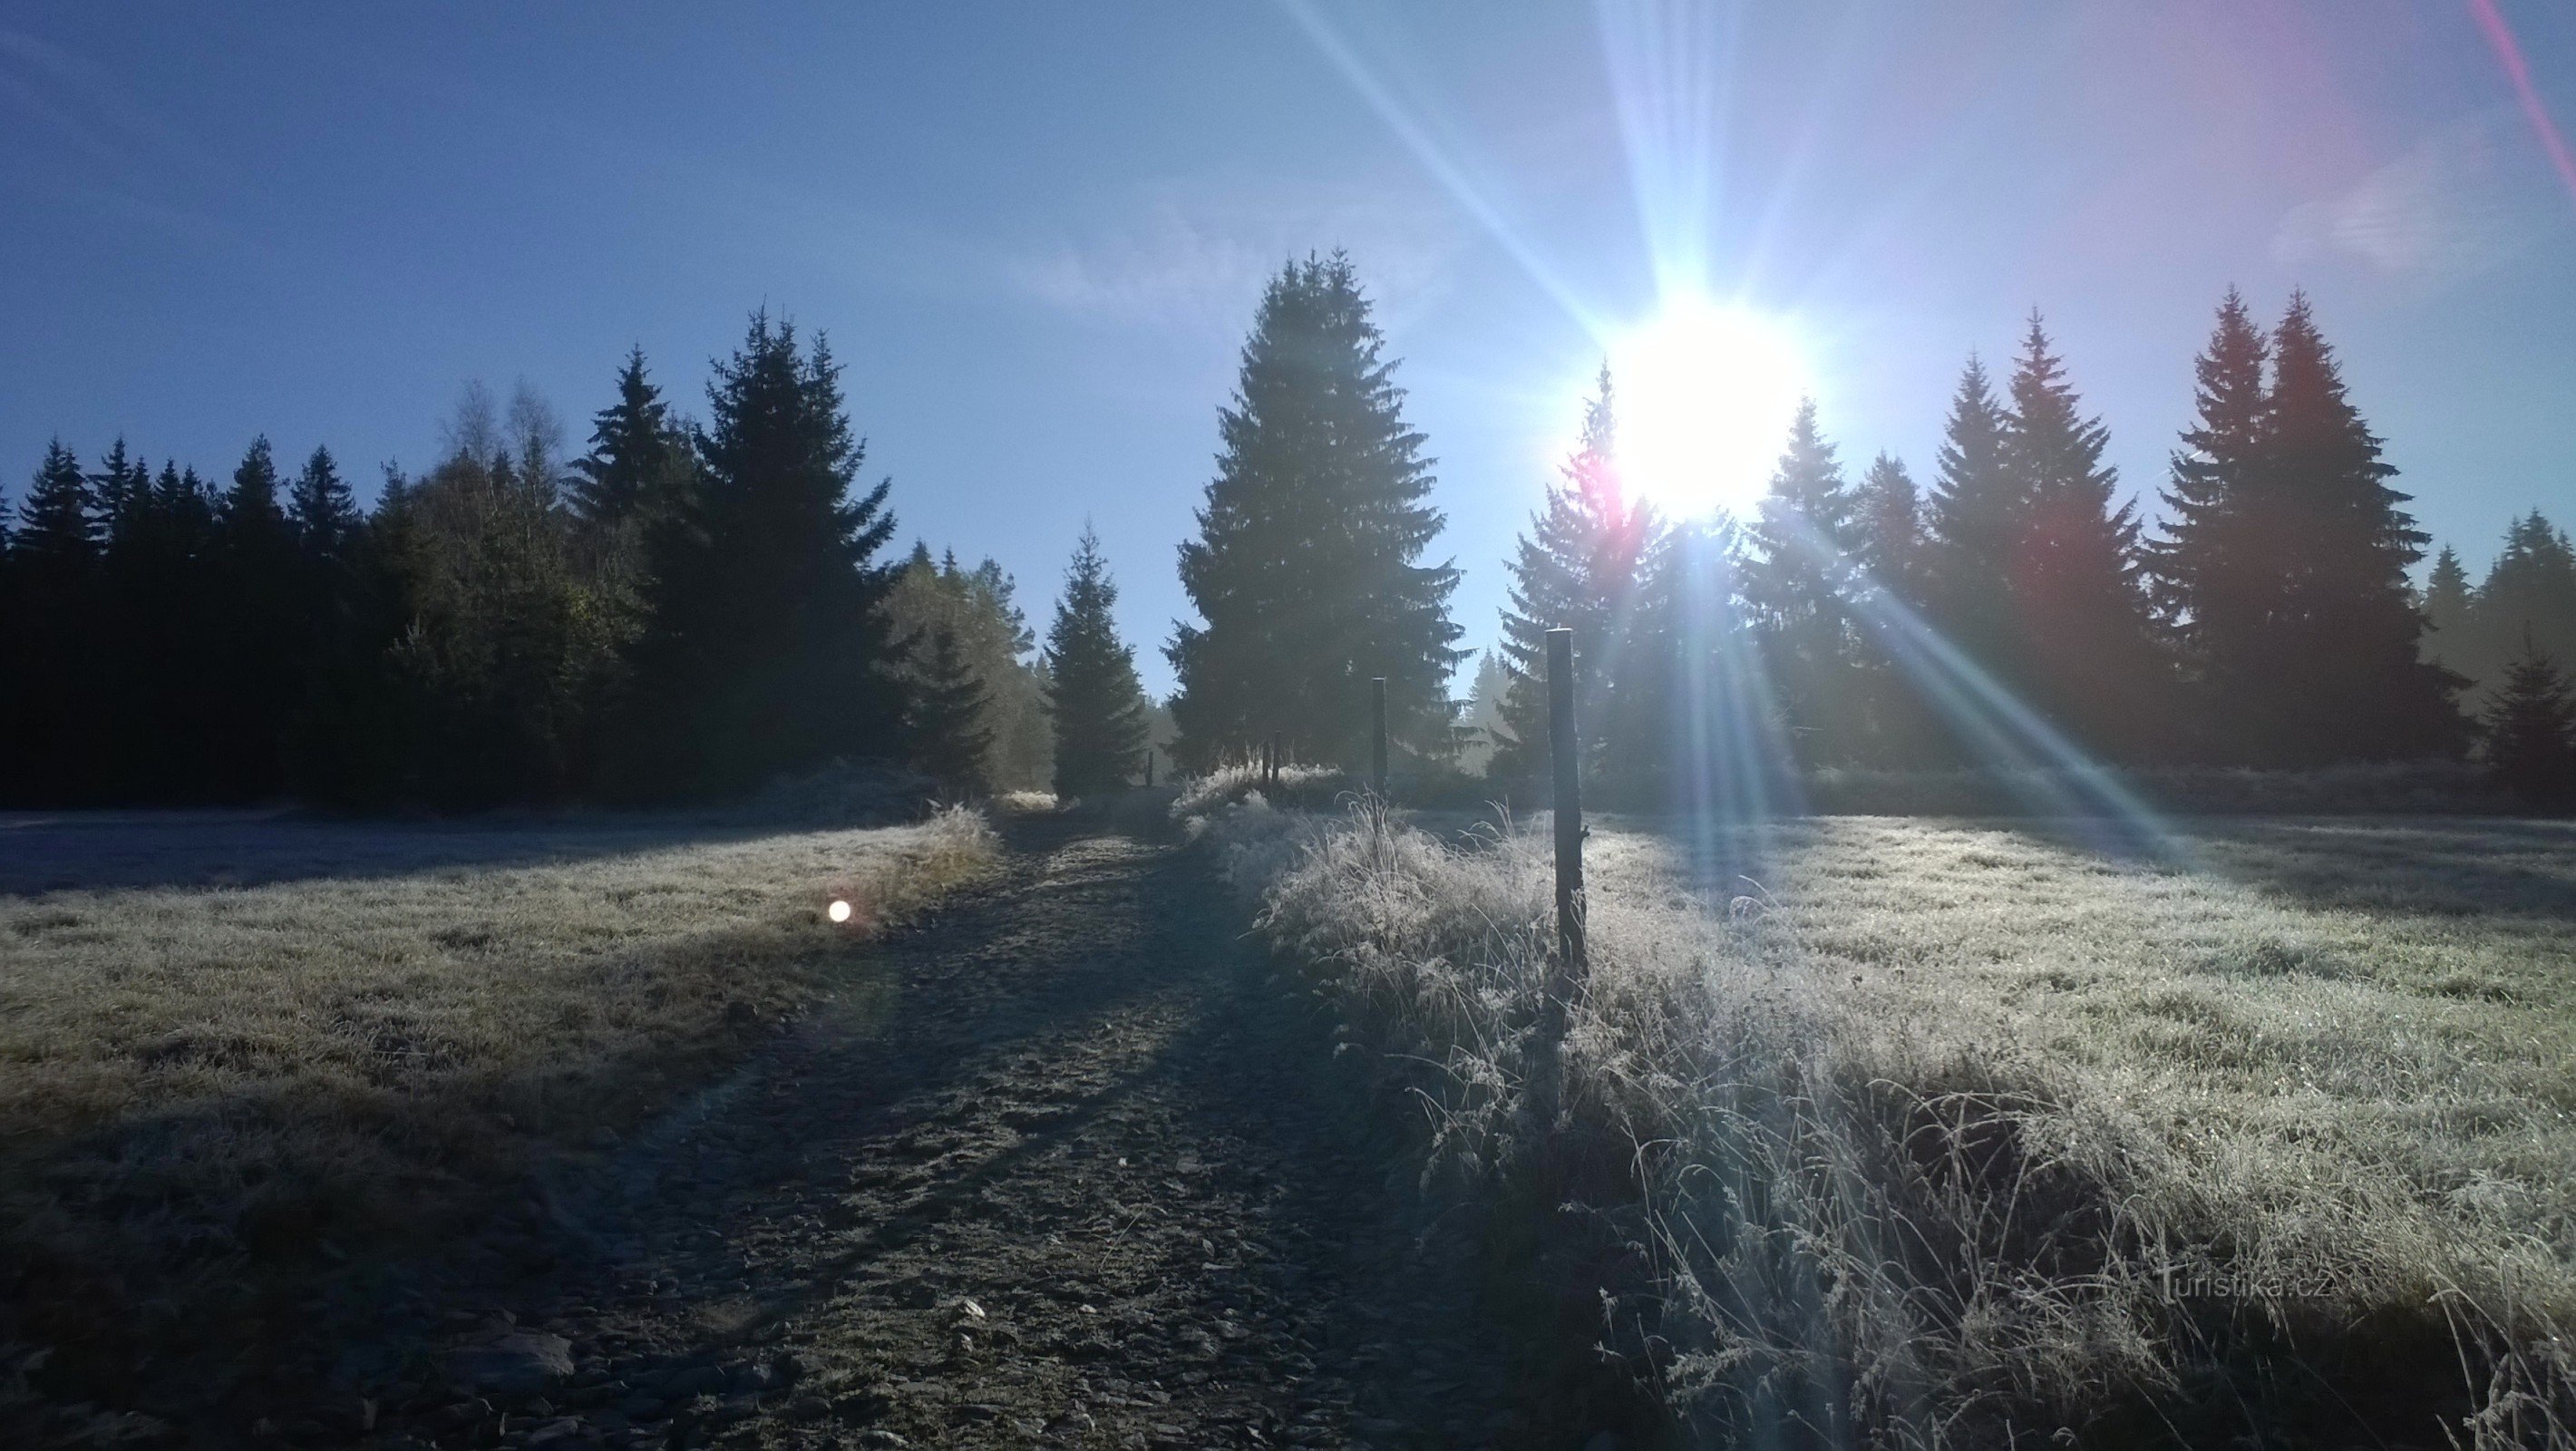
(1082, 1173)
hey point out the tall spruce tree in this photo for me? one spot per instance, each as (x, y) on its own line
(2531, 731)
(262, 637)
(1582, 564)
(54, 567)
(2347, 680)
(1888, 531)
(2448, 601)
(768, 650)
(1307, 570)
(1092, 690)
(949, 737)
(1891, 547)
(2078, 596)
(1799, 584)
(1972, 525)
(2215, 574)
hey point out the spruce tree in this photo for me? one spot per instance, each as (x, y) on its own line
(768, 649)
(57, 520)
(976, 606)
(1972, 523)
(324, 510)
(2080, 607)
(1582, 564)
(1799, 583)
(2215, 574)
(1092, 690)
(1306, 571)
(950, 740)
(2346, 678)
(2531, 731)
(54, 566)
(1888, 531)
(261, 639)
(1894, 553)
(638, 453)
(121, 491)
(2448, 602)
(2530, 590)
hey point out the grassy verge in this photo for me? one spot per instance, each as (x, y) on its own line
(211, 1094)
(1928, 1133)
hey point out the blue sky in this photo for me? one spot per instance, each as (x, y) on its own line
(1035, 234)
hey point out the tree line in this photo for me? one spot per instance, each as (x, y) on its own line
(2269, 619)
(682, 612)
(689, 610)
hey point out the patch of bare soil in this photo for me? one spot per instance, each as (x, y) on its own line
(1078, 1170)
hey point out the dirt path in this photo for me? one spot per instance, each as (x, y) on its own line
(1080, 1173)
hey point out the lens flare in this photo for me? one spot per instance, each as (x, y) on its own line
(839, 911)
(1704, 394)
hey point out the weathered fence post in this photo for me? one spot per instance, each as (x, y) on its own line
(1569, 806)
(1377, 735)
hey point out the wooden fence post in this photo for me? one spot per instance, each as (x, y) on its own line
(1377, 735)
(1563, 745)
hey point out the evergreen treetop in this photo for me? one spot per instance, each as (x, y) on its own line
(635, 449)
(57, 520)
(323, 507)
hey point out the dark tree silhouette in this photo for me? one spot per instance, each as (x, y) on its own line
(54, 566)
(1972, 526)
(1306, 569)
(1583, 564)
(767, 650)
(2080, 609)
(639, 455)
(1092, 691)
(2530, 589)
(1799, 584)
(1888, 531)
(2531, 731)
(2346, 679)
(949, 737)
(260, 649)
(2214, 575)
(1895, 554)
(323, 508)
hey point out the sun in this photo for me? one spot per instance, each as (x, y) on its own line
(1703, 396)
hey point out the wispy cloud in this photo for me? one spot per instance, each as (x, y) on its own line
(2448, 209)
(1197, 259)
(135, 164)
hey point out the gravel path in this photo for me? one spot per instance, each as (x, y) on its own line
(1078, 1171)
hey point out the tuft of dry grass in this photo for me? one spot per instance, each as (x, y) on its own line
(198, 1084)
(1929, 1129)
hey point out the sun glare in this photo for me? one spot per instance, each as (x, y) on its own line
(1704, 395)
